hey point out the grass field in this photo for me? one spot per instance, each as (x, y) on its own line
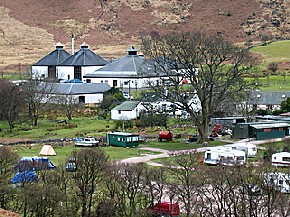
(62, 153)
(274, 52)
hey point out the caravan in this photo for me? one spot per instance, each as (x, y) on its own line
(224, 156)
(281, 181)
(249, 149)
(281, 159)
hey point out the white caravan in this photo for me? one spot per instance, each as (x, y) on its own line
(281, 181)
(224, 156)
(281, 159)
(249, 149)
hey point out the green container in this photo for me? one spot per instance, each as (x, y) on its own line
(122, 139)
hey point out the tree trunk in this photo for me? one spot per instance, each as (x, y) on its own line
(202, 128)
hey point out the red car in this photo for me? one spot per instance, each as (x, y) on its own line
(164, 209)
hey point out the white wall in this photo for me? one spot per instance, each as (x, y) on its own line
(123, 82)
(39, 71)
(124, 115)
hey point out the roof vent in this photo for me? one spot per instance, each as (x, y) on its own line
(84, 45)
(258, 95)
(59, 45)
(283, 95)
(132, 51)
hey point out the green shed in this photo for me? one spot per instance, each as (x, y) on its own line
(261, 130)
(122, 139)
(270, 131)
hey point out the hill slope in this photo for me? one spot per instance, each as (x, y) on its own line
(30, 29)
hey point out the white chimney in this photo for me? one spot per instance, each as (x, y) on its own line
(72, 44)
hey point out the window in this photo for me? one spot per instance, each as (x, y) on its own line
(52, 71)
(119, 111)
(114, 83)
(286, 159)
(123, 139)
(88, 81)
(106, 81)
(77, 72)
(102, 81)
(82, 99)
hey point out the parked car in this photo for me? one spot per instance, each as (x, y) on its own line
(164, 209)
(88, 142)
(127, 95)
(73, 81)
(71, 164)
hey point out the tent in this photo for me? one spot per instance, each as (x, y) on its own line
(24, 177)
(47, 150)
(34, 163)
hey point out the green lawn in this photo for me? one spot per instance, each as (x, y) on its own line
(276, 83)
(53, 129)
(62, 153)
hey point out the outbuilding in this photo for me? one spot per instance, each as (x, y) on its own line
(122, 139)
(128, 110)
(261, 130)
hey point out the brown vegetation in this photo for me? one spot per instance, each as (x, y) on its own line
(29, 30)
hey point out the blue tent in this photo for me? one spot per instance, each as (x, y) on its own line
(34, 163)
(24, 177)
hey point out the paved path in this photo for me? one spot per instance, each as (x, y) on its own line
(165, 153)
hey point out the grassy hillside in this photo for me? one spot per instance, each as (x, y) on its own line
(274, 52)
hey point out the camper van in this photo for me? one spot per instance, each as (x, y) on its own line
(281, 181)
(224, 156)
(281, 159)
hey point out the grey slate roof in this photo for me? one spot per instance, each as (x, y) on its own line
(54, 58)
(127, 106)
(77, 88)
(127, 66)
(84, 57)
(132, 66)
(268, 97)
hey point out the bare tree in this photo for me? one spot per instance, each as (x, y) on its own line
(188, 180)
(37, 96)
(11, 101)
(68, 104)
(91, 164)
(132, 184)
(214, 68)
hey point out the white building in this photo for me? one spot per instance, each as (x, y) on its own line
(46, 67)
(59, 64)
(128, 72)
(128, 110)
(80, 92)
